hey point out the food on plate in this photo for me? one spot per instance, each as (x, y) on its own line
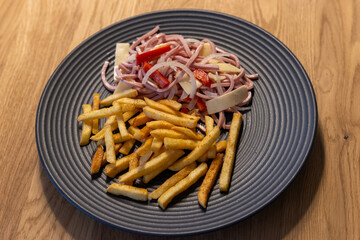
(136, 193)
(209, 180)
(96, 106)
(199, 150)
(225, 175)
(166, 113)
(181, 186)
(97, 160)
(86, 127)
(172, 181)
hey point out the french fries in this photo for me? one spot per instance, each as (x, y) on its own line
(86, 127)
(127, 146)
(190, 122)
(139, 120)
(110, 145)
(156, 145)
(199, 150)
(181, 186)
(167, 156)
(162, 133)
(171, 103)
(221, 146)
(134, 163)
(161, 107)
(174, 143)
(124, 94)
(140, 194)
(101, 113)
(159, 125)
(165, 134)
(97, 160)
(172, 181)
(209, 180)
(111, 170)
(228, 164)
(96, 106)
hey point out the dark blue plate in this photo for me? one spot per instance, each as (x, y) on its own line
(276, 135)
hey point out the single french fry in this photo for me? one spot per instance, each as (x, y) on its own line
(221, 146)
(162, 133)
(209, 180)
(175, 143)
(138, 133)
(137, 103)
(119, 139)
(134, 163)
(143, 159)
(188, 132)
(159, 125)
(110, 145)
(127, 146)
(112, 169)
(226, 170)
(203, 158)
(139, 120)
(96, 106)
(146, 146)
(209, 124)
(86, 126)
(101, 113)
(121, 125)
(181, 186)
(97, 160)
(211, 153)
(129, 114)
(116, 148)
(156, 145)
(136, 193)
(167, 156)
(161, 107)
(190, 122)
(172, 181)
(145, 131)
(129, 93)
(171, 103)
(199, 150)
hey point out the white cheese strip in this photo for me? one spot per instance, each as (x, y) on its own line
(121, 55)
(227, 100)
(185, 83)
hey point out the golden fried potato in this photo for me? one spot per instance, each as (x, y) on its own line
(96, 106)
(129, 93)
(86, 126)
(167, 156)
(226, 171)
(110, 145)
(136, 193)
(200, 149)
(172, 181)
(181, 186)
(112, 169)
(101, 113)
(209, 180)
(97, 160)
(175, 143)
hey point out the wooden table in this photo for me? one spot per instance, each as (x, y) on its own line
(323, 201)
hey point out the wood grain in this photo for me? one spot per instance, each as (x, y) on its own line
(322, 202)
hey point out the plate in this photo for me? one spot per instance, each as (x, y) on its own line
(276, 135)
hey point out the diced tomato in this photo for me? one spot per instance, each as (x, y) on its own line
(149, 55)
(202, 77)
(200, 105)
(184, 110)
(187, 99)
(158, 78)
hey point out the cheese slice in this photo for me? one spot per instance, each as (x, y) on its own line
(121, 55)
(228, 68)
(185, 83)
(227, 100)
